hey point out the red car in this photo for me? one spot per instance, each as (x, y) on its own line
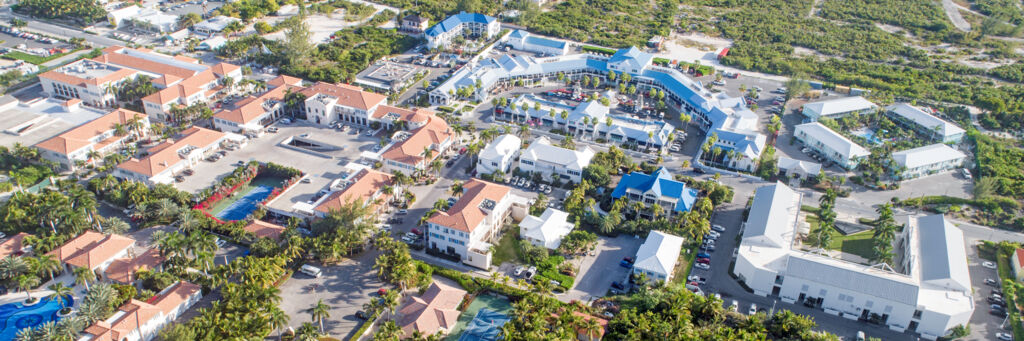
(462, 151)
(417, 231)
(382, 291)
(704, 260)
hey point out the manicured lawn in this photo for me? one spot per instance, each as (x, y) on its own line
(507, 249)
(34, 59)
(856, 244)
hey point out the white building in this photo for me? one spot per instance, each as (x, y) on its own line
(462, 24)
(925, 123)
(524, 41)
(467, 228)
(928, 160)
(838, 107)
(100, 135)
(735, 125)
(142, 321)
(798, 168)
(589, 120)
(546, 230)
(546, 159)
(929, 292)
(658, 256)
(498, 155)
(830, 144)
(171, 157)
(213, 26)
(150, 19)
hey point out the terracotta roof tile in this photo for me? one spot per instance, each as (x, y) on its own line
(13, 245)
(116, 57)
(174, 296)
(410, 151)
(347, 95)
(136, 313)
(81, 136)
(165, 154)
(284, 80)
(466, 214)
(91, 249)
(222, 69)
(368, 182)
(122, 270)
(264, 229)
(251, 107)
(437, 308)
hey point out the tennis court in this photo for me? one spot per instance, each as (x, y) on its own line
(496, 307)
(246, 199)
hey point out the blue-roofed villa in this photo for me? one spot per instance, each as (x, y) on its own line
(657, 188)
(464, 24)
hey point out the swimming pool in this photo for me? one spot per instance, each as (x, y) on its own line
(15, 316)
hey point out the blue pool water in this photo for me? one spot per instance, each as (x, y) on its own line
(15, 316)
(241, 208)
(870, 136)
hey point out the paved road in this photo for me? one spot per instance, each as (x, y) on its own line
(61, 31)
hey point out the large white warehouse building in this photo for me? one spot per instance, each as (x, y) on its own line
(929, 292)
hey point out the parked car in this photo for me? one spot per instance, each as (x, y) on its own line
(992, 282)
(752, 310)
(220, 242)
(861, 336)
(989, 265)
(618, 286)
(362, 315)
(996, 300)
(735, 306)
(997, 312)
(966, 173)
(519, 271)
(628, 259)
(703, 255)
(702, 266)
(1004, 336)
(718, 228)
(401, 212)
(272, 130)
(311, 270)
(704, 260)
(708, 248)
(625, 264)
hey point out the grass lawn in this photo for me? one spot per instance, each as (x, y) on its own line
(507, 249)
(856, 244)
(34, 59)
(685, 264)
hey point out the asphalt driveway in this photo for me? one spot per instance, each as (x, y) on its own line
(597, 272)
(345, 287)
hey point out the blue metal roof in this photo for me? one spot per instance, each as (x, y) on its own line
(661, 183)
(454, 21)
(519, 34)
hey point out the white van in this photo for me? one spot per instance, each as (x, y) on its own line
(311, 270)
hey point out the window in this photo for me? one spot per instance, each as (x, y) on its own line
(526, 162)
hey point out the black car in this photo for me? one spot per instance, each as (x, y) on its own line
(618, 285)
(449, 163)
(362, 315)
(997, 312)
(996, 300)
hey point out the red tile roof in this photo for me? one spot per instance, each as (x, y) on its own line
(91, 249)
(284, 80)
(466, 214)
(81, 136)
(13, 245)
(410, 152)
(436, 309)
(347, 95)
(1020, 257)
(251, 107)
(137, 313)
(165, 154)
(264, 229)
(123, 270)
(368, 182)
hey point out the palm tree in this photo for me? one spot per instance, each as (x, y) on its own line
(278, 320)
(84, 276)
(456, 188)
(320, 311)
(388, 331)
(27, 282)
(436, 166)
(307, 332)
(390, 301)
(428, 153)
(44, 264)
(60, 291)
(93, 156)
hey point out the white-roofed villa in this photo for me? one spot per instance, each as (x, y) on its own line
(927, 289)
(658, 256)
(927, 160)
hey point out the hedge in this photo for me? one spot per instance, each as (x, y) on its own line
(588, 48)
(985, 204)
(445, 109)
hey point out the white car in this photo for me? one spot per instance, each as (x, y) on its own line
(221, 242)
(989, 265)
(519, 271)
(718, 228)
(752, 310)
(1004, 336)
(702, 266)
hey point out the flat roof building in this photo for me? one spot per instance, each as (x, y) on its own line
(387, 76)
(524, 41)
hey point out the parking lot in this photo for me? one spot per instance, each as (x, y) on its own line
(984, 325)
(320, 167)
(11, 41)
(345, 287)
(600, 268)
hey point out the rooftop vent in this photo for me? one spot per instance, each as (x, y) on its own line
(487, 204)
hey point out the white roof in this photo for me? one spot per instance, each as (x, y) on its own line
(853, 277)
(659, 253)
(837, 106)
(549, 228)
(503, 145)
(927, 155)
(924, 119)
(833, 140)
(943, 256)
(215, 24)
(772, 216)
(806, 167)
(542, 150)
